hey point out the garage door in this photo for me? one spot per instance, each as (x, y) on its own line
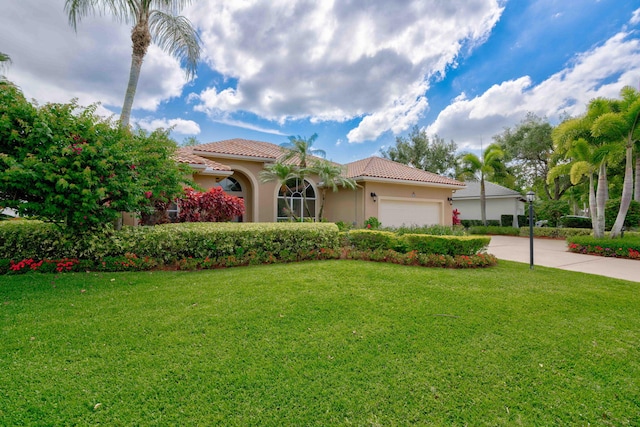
(394, 213)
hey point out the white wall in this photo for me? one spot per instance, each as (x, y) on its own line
(470, 209)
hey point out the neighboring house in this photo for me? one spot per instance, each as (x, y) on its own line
(396, 194)
(499, 201)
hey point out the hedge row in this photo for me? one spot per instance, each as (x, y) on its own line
(551, 232)
(165, 243)
(372, 240)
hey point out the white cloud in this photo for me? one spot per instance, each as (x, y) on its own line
(635, 18)
(334, 60)
(52, 63)
(181, 126)
(600, 72)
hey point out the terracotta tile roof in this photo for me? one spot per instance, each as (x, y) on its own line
(242, 147)
(185, 155)
(381, 168)
(372, 167)
(248, 148)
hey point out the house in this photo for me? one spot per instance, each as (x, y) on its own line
(396, 194)
(499, 201)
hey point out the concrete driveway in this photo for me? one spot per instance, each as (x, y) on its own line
(553, 253)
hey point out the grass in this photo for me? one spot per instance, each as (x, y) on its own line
(320, 343)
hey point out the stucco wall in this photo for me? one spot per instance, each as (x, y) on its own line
(343, 205)
(470, 209)
(413, 192)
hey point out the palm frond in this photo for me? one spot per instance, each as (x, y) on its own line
(580, 170)
(122, 10)
(176, 36)
(610, 126)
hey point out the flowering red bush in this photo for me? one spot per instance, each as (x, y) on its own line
(456, 217)
(65, 264)
(211, 206)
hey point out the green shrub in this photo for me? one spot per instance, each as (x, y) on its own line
(372, 240)
(344, 226)
(501, 231)
(436, 230)
(632, 220)
(473, 222)
(372, 223)
(33, 239)
(507, 220)
(425, 260)
(555, 233)
(444, 245)
(551, 211)
(169, 242)
(574, 221)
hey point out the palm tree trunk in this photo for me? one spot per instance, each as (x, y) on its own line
(593, 208)
(324, 194)
(134, 75)
(627, 192)
(483, 202)
(636, 193)
(140, 39)
(598, 229)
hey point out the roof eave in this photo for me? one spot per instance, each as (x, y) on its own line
(234, 156)
(514, 196)
(207, 170)
(407, 182)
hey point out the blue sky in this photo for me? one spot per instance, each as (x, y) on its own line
(358, 75)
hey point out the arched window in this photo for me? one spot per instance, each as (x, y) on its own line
(291, 203)
(230, 185)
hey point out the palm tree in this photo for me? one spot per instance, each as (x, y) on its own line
(589, 152)
(487, 166)
(4, 60)
(621, 124)
(299, 149)
(152, 20)
(280, 173)
(331, 176)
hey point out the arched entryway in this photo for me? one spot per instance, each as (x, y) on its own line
(239, 185)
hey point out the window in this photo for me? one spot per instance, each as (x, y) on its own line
(291, 202)
(173, 210)
(230, 185)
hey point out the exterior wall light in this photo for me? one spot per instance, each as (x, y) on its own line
(374, 196)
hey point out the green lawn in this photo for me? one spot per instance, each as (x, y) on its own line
(320, 343)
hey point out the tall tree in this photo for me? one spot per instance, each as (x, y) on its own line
(152, 20)
(621, 125)
(529, 153)
(474, 167)
(417, 150)
(63, 163)
(331, 176)
(588, 152)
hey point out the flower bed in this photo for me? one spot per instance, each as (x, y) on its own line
(629, 247)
